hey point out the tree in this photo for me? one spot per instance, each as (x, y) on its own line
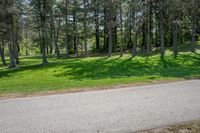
(66, 28)
(85, 4)
(55, 34)
(2, 53)
(194, 10)
(9, 19)
(160, 5)
(96, 26)
(40, 15)
(76, 27)
(121, 29)
(175, 10)
(110, 27)
(96, 13)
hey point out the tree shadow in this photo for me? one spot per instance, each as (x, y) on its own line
(113, 68)
(117, 67)
(8, 72)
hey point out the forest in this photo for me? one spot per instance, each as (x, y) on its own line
(82, 39)
(82, 27)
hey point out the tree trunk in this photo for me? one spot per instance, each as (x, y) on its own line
(162, 39)
(175, 47)
(193, 33)
(55, 34)
(52, 34)
(156, 33)
(143, 47)
(114, 29)
(110, 30)
(148, 36)
(76, 29)
(26, 44)
(85, 26)
(11, 43)
(66, 27)
(105, 46)
(121, 30)
(16, 48)
(56, 39)
(77, 42)
(97, 24)
(151, 21)
(134, 50)
(11, 51)
(2, 53)
(43, 28)
(51, 44)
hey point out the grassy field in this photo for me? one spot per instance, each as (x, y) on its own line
(94, 72)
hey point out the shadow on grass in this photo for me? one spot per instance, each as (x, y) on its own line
(6, 72)
(114, 68)
(185, 66)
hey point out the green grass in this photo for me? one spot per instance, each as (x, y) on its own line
(95, 72)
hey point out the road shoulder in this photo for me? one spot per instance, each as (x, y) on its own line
(186, 127)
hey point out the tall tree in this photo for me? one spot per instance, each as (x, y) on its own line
(85, 4)
(55, 33)
(121, 29)
(76, 28)
(160, 5)
(40, 11)
(110, 27)
(96, 13)
(66, 28)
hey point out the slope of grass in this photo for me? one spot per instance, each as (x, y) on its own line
(95, 72)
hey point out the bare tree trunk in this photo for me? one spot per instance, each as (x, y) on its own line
(97, 24)
(134, 50)
(125, 31)
(114, 14)
(66, 24)
(162, 39)
(77, 42)
(52, 34)
(11, 43)
(174, 30)
(143, 47)
(16, 48)
(105, 46)
(110, 29)
(43, 28)
(76, 29)
(26, 43)
(2, 53)
(55, 34)
(74, 32)
(193, 33)
(121, 30)
(85, 26)
(157, 30)
(56, 39)
(151, 21)
(51, 43)
(11, 52)
(148, 35)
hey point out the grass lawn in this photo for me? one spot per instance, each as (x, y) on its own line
(94, 72)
